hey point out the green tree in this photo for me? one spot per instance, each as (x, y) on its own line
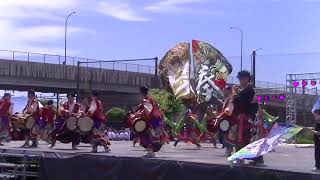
(116, 114)
(44, 102)
(168, 103)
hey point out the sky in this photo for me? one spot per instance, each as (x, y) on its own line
(287, 30)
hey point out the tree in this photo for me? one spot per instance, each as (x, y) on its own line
(116, 114)
(168, 103)
(44, 102)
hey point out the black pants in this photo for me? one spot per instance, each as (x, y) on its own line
(317, 155)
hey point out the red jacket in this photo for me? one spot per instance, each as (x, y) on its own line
(48, 114)
(98, 113)
(5, 107)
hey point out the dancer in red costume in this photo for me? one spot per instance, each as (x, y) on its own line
(154, 136)
(6, 110)
(98, 133)
(48, 115)
(189, 129)
(32, 109)
(60, 131)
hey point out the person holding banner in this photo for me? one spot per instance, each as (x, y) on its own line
(244, 108)
(316, 132)
(6, 110)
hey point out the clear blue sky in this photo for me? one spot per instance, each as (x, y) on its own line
(108, 29)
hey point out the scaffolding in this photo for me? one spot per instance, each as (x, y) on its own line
(292, 93)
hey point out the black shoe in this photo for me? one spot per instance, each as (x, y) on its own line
(107, 149)
(26, 144)
(53, 143)
(94, 150)
(34, 144)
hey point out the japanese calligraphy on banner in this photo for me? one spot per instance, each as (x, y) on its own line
(174, 70)
(211, 71)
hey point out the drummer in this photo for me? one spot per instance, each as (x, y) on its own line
(152, 141)
(96, 113)
(84, 106)
(6, 110)
(69, 108)
(48, 116)
(32, 108)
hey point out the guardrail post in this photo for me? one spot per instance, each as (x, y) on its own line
(73, 61)
(59, 60)
(12, 55)
(28, 57)
(156, 67)
(138, 68)
(44, 58)
(113, 65)
(126, 67)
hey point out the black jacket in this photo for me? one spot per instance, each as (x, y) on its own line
(243, 102)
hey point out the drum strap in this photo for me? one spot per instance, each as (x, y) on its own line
(240, 130)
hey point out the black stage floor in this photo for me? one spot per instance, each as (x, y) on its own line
(206, 163)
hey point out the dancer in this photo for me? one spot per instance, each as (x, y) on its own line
(244, 109)
(32, 109)
(188, 129)
(154, 136)
(95, 111)
(227, 113)
(6, 110)
(60, 131)
(209, 122)
(48, 115)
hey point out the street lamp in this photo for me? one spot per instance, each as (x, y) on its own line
(241, 43)
(253, 66)
(65, 38)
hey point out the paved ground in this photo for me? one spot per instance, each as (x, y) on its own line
(285, 158)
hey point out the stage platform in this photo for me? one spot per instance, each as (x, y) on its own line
(184, 162)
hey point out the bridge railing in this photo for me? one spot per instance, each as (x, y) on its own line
(71, 60)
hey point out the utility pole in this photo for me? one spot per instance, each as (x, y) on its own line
(253, 66)
(253, 69)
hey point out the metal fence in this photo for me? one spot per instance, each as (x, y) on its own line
(72, 61)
